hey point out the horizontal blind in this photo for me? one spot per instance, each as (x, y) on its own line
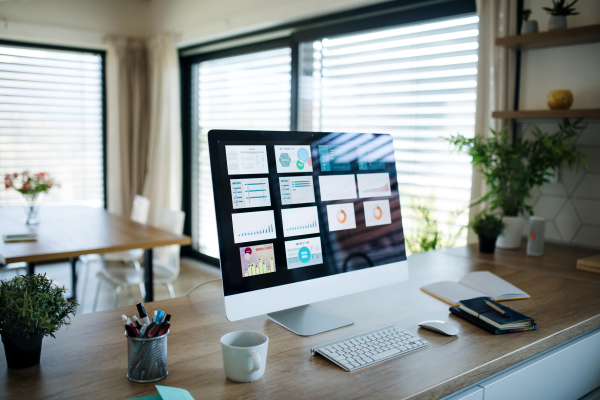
(414, 82)
(249, 92)
(51, 121)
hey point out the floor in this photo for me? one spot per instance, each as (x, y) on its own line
(192, 272)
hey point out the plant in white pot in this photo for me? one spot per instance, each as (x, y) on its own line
(31, 307)
(559, 13)
(512, 170)
(528, 26)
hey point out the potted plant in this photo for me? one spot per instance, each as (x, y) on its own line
(528, 26)
(559, 13)
(488, 227)
(511, 170)
(33, 187)
(31, 307)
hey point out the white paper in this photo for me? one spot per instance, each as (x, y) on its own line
(452, 292)
(494, 286)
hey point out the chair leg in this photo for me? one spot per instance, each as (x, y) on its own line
(137, 265)
(85, 266)
(117, 291)
(142, 290)
(96, 296)
(171, 291)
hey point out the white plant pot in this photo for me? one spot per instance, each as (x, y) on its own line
(557, 22)
(513, 233)
(529, 27)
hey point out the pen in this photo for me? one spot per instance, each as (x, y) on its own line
(130, 331)
(495, 307)
(127, 322)
(158, 318)
(143, 315)
(136, 322)
(154, 314)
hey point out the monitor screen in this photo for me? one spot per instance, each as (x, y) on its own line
(296, 206)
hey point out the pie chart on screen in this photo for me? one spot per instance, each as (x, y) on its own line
(341, 216)
(377, 213)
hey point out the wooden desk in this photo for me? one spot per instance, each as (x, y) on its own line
(89, 360)
(72, 231)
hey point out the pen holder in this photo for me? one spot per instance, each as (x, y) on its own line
(147, 359)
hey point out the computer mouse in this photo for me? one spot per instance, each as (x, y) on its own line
(440, 327)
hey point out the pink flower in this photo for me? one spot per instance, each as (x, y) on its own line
(16, 174)
(7, 185)
(25, 186)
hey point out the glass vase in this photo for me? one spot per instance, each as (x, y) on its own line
(31, 206)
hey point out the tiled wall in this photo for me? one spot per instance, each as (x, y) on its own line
(571, 206)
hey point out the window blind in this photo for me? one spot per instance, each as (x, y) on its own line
(250, 92)
(51, 121)
(417, 83)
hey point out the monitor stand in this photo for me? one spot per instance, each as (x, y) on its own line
(308, 320)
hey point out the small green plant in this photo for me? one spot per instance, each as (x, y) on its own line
(559, 8)
(511, 170)
(33, 304)
(427, 235)
(487, 224)
(526, 14)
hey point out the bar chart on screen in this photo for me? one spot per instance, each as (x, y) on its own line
(253, 226)
(300, 221)
(337, 187)
(297, 190)
(247, 193)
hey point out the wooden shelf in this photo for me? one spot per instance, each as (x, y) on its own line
(548, 114)
(559, 37)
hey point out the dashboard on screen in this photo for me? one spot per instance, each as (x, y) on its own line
(295, 206)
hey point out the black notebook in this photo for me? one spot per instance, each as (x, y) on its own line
(477, 311)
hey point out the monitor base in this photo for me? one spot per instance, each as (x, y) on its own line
(308, 320)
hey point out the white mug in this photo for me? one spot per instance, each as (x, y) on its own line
(244, 355)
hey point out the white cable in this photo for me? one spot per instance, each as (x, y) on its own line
(200, 284)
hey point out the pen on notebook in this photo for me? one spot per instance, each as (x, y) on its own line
(495, 307)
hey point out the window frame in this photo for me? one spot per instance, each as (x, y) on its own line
(102, 54)
(378, 16)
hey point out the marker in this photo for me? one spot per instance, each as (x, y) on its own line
(158, 317)
(130, 331)
(143, 315)
(136, 322)
(154, 315)
(127, 322)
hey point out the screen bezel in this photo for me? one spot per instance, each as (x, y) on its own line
(276, 298)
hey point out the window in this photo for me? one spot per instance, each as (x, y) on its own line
(377, 71)
(416, 83)
(250, 91)
(51, 120)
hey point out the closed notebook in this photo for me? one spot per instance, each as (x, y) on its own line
(474, 285)
(478, 312)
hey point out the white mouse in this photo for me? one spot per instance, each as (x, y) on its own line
(440, 327)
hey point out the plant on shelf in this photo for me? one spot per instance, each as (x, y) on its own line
(32, 187)
(559, 12)
(511, 170)
(488, 227)
(31, 307)
(528, 26)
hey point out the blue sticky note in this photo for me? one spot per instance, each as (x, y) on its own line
(173, 393)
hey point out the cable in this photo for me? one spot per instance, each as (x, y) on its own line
(200, 284)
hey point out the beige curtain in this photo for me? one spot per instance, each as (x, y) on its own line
(495, 78)
(128, 120)
(163, 180)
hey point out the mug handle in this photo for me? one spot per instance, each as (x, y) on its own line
(254, 357)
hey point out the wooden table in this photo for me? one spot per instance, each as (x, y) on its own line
(72, 231)
(89, 359)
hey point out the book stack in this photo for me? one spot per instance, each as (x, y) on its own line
(590, 264)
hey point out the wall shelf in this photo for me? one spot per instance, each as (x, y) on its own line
(548, 114)
(559, 37)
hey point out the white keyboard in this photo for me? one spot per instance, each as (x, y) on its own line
(365, 349)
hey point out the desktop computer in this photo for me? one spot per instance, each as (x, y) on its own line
(304, 217)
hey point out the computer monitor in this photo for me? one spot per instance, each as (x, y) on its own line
(304, 217)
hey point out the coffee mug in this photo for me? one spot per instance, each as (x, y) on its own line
(244, 355)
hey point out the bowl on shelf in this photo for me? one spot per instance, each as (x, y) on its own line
(560, 99)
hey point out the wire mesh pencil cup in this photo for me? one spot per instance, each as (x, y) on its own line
(147, 359)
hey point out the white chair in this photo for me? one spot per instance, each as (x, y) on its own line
(165, 263)
(14, 267)
(139, 214)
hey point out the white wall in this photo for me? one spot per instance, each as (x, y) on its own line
(572, 205)
(203, 21)
(74, 22)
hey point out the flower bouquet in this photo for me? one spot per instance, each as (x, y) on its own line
(32, 187)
